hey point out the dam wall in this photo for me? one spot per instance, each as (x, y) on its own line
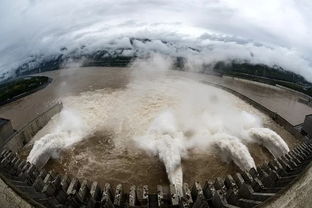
(307, 125)
(21, 137)
(6, 129)
(245, 189)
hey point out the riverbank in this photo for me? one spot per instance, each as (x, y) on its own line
(15, 89)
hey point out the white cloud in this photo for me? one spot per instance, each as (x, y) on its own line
(220, 28)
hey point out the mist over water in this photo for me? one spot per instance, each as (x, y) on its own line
(166, 117)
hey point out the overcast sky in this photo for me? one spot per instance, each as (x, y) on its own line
(268, 31)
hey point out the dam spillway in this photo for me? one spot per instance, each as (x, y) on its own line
(107, 134)
(150, 187)
(244, 189)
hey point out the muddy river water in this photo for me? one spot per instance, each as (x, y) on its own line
(104, 95)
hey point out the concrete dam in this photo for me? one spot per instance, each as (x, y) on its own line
(117, 162)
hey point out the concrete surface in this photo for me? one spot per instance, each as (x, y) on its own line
(9, 199)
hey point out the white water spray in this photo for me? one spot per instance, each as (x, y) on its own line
(232, 149)
(164, 140)
(69, 129)
(269, 139)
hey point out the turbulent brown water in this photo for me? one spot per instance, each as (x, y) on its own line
(117, 114)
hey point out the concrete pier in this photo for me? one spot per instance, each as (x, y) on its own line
(244, 189)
